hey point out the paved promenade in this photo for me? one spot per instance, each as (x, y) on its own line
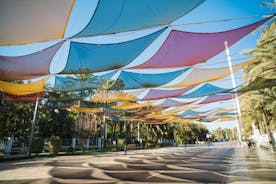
(220, 163)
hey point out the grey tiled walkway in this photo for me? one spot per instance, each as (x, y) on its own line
(223, 163)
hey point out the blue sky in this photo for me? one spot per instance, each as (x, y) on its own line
(207, 11)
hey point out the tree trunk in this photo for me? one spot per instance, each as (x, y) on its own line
(268, 131)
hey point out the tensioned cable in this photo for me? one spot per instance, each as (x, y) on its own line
(186, 24)
(211, 64)
(222, 20)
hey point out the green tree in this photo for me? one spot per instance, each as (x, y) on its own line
(55, 122)
(199, 131)
(259, 106)
(150, 133)
(183, 133)
(226, 133)
(15, 120)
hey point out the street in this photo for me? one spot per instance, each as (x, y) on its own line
(217, 163)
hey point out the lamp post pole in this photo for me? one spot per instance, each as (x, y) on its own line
(236, 103)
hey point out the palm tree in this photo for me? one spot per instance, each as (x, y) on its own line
(259, 105)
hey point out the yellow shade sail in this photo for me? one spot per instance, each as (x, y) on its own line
(225, 118)
(220, 110)
(165, 115)
(23, 89)
(178, 120)
(86, 110)
(29, 21)
(111, 96)
(130, 105)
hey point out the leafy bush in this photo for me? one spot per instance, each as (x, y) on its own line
(150, 143)
(121, 144)
(38, 145)
(54, 145)
(70, 150)
(107, 144)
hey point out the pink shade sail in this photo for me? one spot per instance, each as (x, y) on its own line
(28, 66)
(23, 98)
(217, 98)
(172, 103)
(155, 94)
(189, 48)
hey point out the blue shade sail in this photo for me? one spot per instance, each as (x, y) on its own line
(192, 113)
(226, 114)
(205, 90)
(65, 84)
(138, 80)
(88, 58)
(114, 16)
(155, 94)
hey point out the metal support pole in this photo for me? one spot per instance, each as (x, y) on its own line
(138, 136)
(236, 104)
(105, 128)
(104, 134)
(35, 117)
(126, 132)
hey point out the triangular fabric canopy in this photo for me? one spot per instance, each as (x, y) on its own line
(225, 118)
(171, 103)
(217, 98)
(129, 105)
(205, 90)
(208, 119)
(139, 80)
(111, 96)
(185, 108)
(201, 75)
(88, 58)
(226, 114)
(155, 94)
(192, 113)
(31, 21)
(65, 84)
(220, 111)
(23, 98)
(216, 118)
(28, 66)
(86, 110)
(178, 120)
(23, 89)
(187, 48)
(121, 16)
(147, 109)
(163, 115)
(159, 116)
